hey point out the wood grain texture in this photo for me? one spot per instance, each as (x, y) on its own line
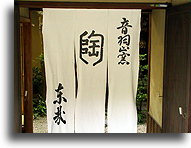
(28, 108)
(152, 125)
(17, 95)
(177, 70)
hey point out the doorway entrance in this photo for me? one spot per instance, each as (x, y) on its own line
(117, 6)
(39, 92)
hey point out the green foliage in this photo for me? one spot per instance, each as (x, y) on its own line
(39, 107)
(143, 70)
(41, 58)
(142, 88)
(37, 81)
(39, 104)
(141, 117)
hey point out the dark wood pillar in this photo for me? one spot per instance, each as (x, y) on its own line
(28, 92)
(17, 95)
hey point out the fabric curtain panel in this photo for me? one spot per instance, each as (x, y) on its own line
(58, 37)
(123, 67)
(85, 50)
(91, 56)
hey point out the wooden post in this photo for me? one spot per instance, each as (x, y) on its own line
(17, 93)
(28, 106)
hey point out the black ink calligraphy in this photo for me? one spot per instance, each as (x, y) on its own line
(124, 26)
(124, 42)
(58, 115)
(59, 94)
(91, 46)
(123, 56)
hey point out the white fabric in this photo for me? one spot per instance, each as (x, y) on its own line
(122, 114)
(64, 32)
(58, 37)
(90, 105)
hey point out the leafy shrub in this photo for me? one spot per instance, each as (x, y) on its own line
(142, 89)
(37, 82)
(143, 70)
(39, 107)
(141, 116)
(39, 104)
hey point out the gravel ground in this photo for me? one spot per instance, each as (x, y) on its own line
(141, 128)
(40, 126)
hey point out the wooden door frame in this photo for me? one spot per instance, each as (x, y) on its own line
(17, 125)
(171, 11)
(27, 92)
(91, 5)
(27, 53)
(39, 5)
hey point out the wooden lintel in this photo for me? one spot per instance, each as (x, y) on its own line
(91, 5)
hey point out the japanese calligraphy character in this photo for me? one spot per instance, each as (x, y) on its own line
(58, 115)
(122, 48)
(124, 26)
(123, 60)
(124, 40)
(84, 42)
(59, 95)
(92, 46)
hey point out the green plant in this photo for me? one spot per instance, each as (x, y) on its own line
(142, 89)
(142, 82)
(37, 82)
(141, 115)
(39, 104)
(38, 77)
(39, 107)
(141, 97)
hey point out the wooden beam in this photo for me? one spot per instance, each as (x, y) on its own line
(91, 5)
